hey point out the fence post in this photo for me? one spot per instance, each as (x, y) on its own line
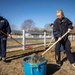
(24, 42)
(44, 38)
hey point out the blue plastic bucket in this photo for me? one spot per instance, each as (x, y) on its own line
(36, 69)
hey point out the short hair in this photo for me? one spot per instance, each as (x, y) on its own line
(60, 11)
(51, 24)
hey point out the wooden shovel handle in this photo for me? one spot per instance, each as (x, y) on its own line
(54, 43)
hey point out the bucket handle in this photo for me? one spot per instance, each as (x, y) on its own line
(31, 69)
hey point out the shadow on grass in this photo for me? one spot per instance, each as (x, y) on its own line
(14, 57)
(64, 59)
(51, 69)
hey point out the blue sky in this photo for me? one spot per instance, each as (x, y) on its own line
(40, 11)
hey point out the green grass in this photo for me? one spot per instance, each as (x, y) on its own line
(20, 52)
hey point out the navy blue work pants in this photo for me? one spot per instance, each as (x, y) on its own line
(66, 44)
(3, 46)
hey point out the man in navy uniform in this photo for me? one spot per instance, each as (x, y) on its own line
(61, 26)
(4, 27)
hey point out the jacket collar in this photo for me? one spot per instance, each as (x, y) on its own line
(62, 20)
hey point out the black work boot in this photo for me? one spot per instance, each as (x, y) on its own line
(73, 65)
(58, 63)
(3, 59)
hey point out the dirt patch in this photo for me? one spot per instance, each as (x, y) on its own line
(12, 68)
(35, 59)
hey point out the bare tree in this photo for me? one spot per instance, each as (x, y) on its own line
(28, 25)
(36, 29)
(13, 27)
(47, 27)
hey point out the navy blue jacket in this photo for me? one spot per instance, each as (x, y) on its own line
(61, 27)
(4, 26)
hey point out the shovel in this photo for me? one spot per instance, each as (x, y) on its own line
(29, 47)
(41, 57)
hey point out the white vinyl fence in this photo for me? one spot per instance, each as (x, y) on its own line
(44, 36)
